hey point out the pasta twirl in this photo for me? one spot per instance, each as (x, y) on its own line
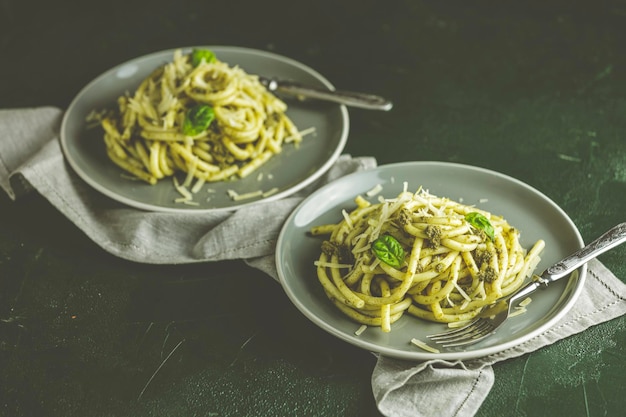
(147, 134)
(448, 269)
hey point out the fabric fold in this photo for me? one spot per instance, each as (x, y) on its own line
(24, 132)
(404, 389)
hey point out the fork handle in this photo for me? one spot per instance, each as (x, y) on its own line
(610, 239)
(349, 98)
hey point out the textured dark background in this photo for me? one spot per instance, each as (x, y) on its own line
(536, 90)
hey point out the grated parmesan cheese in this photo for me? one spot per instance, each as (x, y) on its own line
(332, 264)
(183, 191)
(191, 172)
(270, 192)
(308, 131)
(481, 290)
(198, 185)
(463, 293)
(525, 302)
(360, 330)
(450, 302)
(424, 346)
(234, 195)
(374, 191)
(458, 324)
(190, 203)
(302, 133)
(347, 217)
(364, 248)
(373, 265)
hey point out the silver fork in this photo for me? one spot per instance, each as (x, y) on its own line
(492, 318)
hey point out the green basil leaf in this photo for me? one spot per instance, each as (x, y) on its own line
(389, 250)
(198, 119)
(199, 55)
(481, 222)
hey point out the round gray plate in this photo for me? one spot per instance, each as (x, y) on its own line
(289, 171)
(535, 215)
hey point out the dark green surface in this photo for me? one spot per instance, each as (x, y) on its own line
(536, 92)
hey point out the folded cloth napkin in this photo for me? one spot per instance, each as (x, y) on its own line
(31, 158)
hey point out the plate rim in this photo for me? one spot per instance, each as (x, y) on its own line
(189, 209)
(419, 355)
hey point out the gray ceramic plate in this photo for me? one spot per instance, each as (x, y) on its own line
(536, 216)
(290, 171)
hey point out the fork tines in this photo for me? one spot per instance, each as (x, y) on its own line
(470, 333)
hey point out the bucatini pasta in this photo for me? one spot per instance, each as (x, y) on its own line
(199, 116)
(420, 254)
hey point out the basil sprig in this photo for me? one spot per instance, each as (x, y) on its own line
(200, 55)
(481, 222)
(389, 250)
(198, 119)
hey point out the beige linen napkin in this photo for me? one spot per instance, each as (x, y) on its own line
(30, 158)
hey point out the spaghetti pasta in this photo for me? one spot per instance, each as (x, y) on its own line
(420, 254)
(198, 116)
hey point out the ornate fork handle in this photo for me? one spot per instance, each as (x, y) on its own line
(611, 238)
